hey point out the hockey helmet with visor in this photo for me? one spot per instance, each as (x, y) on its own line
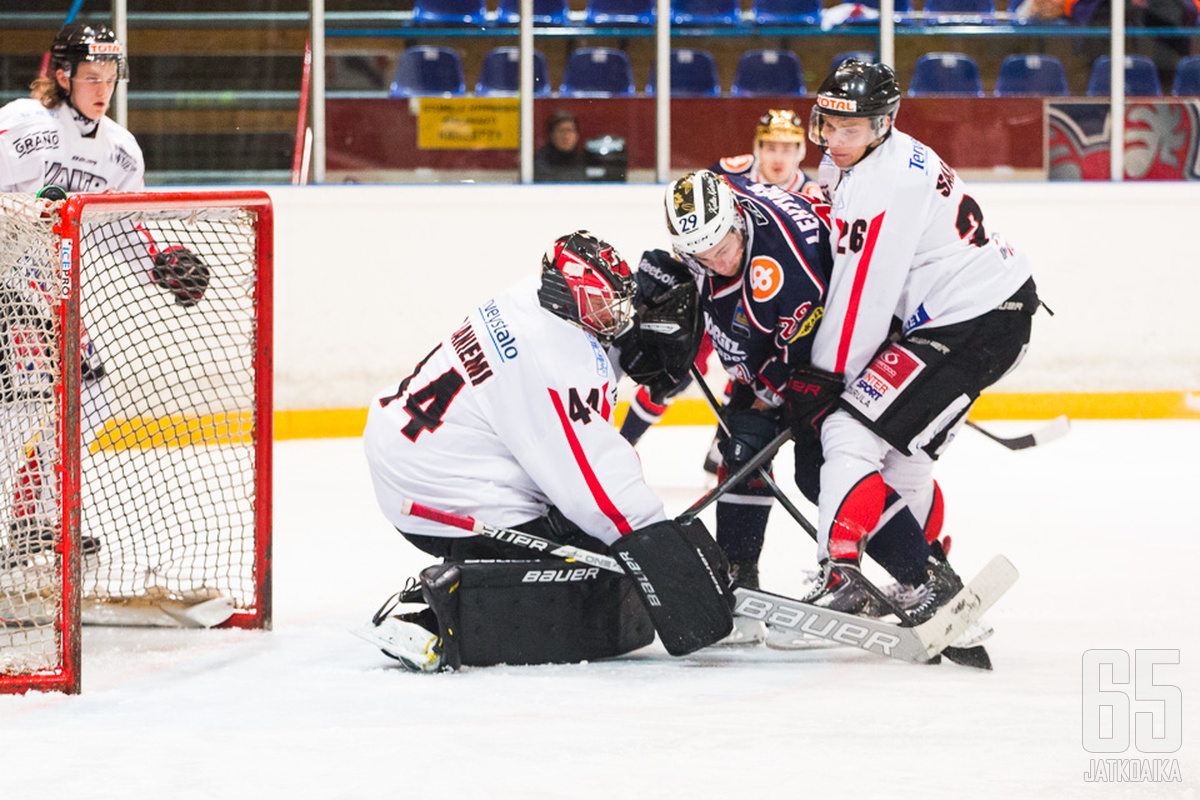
(856, 89)
(77, 42)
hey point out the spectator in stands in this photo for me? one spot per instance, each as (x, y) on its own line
(1165, 51)
(560, 160)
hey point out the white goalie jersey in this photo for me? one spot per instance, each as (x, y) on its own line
(511, 412)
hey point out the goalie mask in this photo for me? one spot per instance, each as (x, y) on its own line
(76, 43)
(585, 281)
(701, 210)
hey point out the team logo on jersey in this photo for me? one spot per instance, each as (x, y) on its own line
(766, 278)
(736, 164)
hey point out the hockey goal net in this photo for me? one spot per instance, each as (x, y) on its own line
(135, 479)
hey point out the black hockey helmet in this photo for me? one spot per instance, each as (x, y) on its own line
(856, 89)
(78, 42)
(585, 281)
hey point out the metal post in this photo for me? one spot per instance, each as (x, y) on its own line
(662, 97)
(526, 91)
(120, 103)
(887, 32)
(1116, 147)
(317, 25)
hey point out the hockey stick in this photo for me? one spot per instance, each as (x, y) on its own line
(736, 477)
(975, 656)
(919, 643)
(783, 499)
(1055, 429)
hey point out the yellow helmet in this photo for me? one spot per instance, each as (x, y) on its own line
(779, 125)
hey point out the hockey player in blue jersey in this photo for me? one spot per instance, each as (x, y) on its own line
(761, 259)
(779, 147)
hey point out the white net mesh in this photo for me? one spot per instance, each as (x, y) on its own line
(169, 413)
(31, 586)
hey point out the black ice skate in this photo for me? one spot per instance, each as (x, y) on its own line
(844, 588)
(941, 584)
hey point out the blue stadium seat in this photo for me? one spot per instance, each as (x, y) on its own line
(1187, 77)
(1031, 74)
(449, 12)
(763, 73)
(1141, 77)
(959, 8)
(500, 75)
(545, 12)
(427, 70)
(945, 73)
(706, 12)
(786, 12)
(693, 74)
(619, 12)
(865, 56)
(597, 72)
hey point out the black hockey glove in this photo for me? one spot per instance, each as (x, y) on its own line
(810, 397)
(181, 272)
(750, 430)
(657, 273)
(662, 345)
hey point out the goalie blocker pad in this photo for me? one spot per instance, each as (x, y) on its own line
(533, 612)
(683, 579)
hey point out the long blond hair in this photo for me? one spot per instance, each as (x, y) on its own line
(48, 92)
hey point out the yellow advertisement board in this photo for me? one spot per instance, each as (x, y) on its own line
(468, 123)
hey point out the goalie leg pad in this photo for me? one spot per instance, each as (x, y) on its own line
(533, 612)
(683, 579)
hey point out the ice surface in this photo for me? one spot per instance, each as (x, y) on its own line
(1101, 524)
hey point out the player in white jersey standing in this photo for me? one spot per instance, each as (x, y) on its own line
(924, 310)
(60, 141)
(509, 420)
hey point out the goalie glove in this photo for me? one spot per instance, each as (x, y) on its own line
(660, 348)
(810, 397)
(181, 272)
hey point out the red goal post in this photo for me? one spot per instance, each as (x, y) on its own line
(135, 420)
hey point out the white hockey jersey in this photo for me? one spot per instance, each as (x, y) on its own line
(908, 242)
(60, 146)
(511, 412)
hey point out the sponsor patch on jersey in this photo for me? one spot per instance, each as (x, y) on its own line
(766, 278)
(493, 320)
(917, 159)
(601, 357)
(736, 164)
(918, 318)
(33, 142)
(883, 380)
(800, 324)
(741, 323)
